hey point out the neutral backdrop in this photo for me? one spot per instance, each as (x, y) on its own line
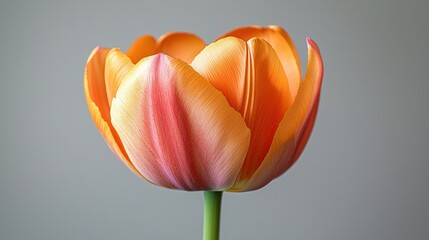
(363, 175)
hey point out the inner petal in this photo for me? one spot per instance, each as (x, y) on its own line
(180, 45)
(142, 47)
(282, 44)
(117, 66)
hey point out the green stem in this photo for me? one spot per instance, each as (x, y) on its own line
(212, 205)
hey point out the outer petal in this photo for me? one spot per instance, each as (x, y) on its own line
(142, 47)
(306, 130)
(180, 45)
(179, 131)
(294, 128)
(252, 78)
(96, 97)
(282, 44)
(95, 88)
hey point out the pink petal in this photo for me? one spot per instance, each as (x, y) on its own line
(178, 130)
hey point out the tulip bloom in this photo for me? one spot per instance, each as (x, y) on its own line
(228, 116)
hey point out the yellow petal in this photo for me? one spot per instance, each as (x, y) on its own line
(180, 45)
(296, 124)
(98, 106)
(282, 44)
(142, 47)
(117, 66)
(179, 131)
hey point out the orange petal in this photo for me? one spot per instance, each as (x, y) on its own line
(252, 79)
(307, 129)
(297, 123)
(269, 97)
(179, 131)
(223, 64)
(117, 66)
(282, 44)
(95, 88)
(142, 47)
(99, 109)
(180, 45)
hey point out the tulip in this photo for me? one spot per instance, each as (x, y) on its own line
(229, 116)
(232, 115)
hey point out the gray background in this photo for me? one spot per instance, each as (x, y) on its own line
(363, 174)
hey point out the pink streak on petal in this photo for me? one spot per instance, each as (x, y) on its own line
(164, 108)
(179, 131)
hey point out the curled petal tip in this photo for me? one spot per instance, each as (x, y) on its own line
(310, 42)
(97, 48)
(93, 52)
